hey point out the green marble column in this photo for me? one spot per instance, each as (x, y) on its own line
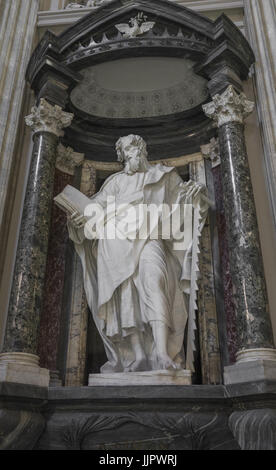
(21, 335)
(255, 336)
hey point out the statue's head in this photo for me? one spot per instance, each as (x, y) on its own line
(132, 152)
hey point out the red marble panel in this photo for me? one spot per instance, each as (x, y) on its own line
(53, 289)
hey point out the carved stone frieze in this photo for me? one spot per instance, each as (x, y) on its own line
(228, 107)
(48, 118)
(20, 428)
(254, 429)
(192, 431)
(189, 41)
(68, 159)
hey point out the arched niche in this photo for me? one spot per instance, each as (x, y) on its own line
(153, 84)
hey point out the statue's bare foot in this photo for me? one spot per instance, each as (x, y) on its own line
(138, 366)
(165, 362)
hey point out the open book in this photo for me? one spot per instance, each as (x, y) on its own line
(71, 200)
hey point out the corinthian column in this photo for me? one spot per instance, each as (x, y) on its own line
(256, 358)
(19, 361)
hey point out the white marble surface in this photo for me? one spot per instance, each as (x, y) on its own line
(250, 371)
(23, 368)
(247, 355)
(157, 377)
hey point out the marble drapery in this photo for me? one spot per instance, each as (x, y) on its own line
(104, 277)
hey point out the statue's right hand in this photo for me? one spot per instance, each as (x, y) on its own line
(78, 221)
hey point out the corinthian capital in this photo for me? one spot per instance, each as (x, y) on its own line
(48, 118)
(228, 107)
(68, 159)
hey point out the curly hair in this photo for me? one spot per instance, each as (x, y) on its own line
(136, 139)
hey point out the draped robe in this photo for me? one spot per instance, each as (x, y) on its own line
(130, 283)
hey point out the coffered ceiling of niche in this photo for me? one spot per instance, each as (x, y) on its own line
(139, 87)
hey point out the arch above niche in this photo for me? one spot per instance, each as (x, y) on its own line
(218, 52)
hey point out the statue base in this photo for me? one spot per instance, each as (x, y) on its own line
(152, 377)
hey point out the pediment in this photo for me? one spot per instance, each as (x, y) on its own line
(163, 12)
(177, 32)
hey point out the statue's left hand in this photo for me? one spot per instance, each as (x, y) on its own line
(194, 190)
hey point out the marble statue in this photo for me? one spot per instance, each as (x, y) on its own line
(142, 290)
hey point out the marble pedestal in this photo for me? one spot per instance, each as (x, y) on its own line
(24, 369)
(252, 365)
(157, 377)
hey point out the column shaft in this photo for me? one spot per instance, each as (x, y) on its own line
(17, 29)
(256, 358)
(260, 19)
(253, 321)
(26, 295)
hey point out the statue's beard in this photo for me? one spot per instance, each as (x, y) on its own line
(132, 167)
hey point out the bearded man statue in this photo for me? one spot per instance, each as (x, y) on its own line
(141, 290)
